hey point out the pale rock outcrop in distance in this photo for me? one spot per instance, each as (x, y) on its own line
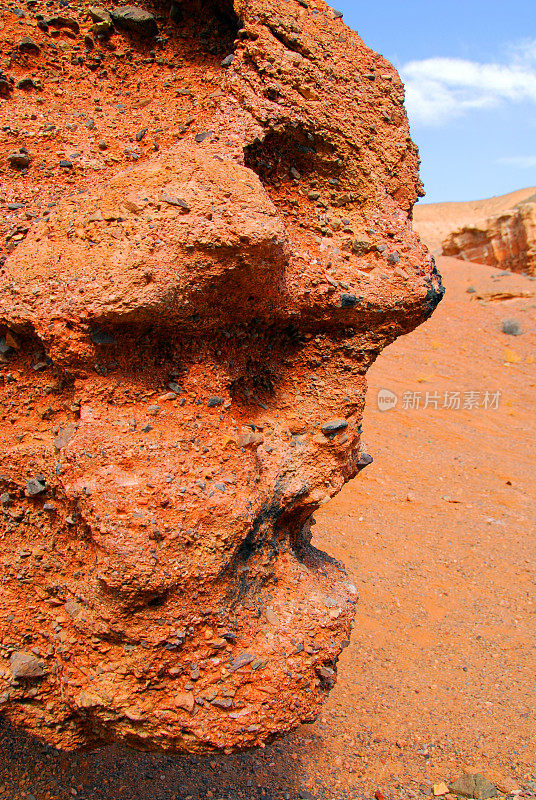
(506, 241)
(498, 231)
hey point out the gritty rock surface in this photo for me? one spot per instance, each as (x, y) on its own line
(157, 549)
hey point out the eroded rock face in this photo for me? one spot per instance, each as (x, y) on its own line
(506, 241)
(184, 355)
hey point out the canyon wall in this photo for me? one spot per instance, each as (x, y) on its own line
(506, 241)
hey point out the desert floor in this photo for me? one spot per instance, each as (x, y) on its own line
(439, 536)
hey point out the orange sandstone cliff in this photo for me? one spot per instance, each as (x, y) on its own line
(207, 241)
(499, 231)
(506, 241)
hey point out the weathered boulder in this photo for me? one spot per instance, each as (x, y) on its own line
(506, 240)
(135, 19)
(183, 363)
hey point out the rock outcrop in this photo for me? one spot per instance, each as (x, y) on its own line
(184, 346)
(435, 221)
(506, 241)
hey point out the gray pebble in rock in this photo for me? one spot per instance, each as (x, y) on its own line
(334, 426)
(240, 661)
(35, 486)
(200, 137)
(215, 401)
(39, 366)
(5, 348)
(25, 84)
(6, 85)
(178, 202)
(348, 300)
(511, 327)
(222, 702)
(25, 665)
(364, 460)
(135, 19)
(19, 160)
(27, 45)
(228, 60)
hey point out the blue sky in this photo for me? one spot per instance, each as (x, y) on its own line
(470, 74)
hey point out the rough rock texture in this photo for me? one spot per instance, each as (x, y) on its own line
(506, 241)
(184, 350)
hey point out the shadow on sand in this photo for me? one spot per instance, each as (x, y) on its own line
(29, 769)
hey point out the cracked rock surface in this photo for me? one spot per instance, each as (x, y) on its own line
(185, 331)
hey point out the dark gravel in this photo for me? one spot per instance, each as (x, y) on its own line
(30, 769)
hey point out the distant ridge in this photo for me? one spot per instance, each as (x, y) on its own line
(435, 221)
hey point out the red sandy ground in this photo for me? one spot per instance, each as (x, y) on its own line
(438, 535)
(439, 538)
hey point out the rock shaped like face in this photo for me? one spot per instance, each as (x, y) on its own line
(190, 338)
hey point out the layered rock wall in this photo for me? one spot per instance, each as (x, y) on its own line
(506, 241)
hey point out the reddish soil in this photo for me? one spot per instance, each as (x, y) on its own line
(438, 536)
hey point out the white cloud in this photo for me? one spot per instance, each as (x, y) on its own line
(440, 89)
(521, 162)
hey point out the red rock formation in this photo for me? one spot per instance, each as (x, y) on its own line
(185, 348)
(506, 241)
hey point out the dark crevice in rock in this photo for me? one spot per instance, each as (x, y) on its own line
(275, 529)
(291, 154)
(213, 24)
(436, 290)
